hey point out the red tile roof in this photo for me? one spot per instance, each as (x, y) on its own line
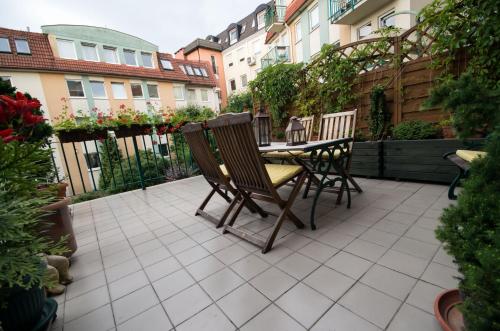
(269, 36)
(195, 80)
(293, 8)
(42, 59)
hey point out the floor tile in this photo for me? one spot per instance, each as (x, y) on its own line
(295, 241)
(153, 319)
(134, 304)
(335, 239)
(304, 304)
(297, 265)
(349, 264)
(205, 267)
(181, 245)
(147, 246)
(272, 318)
(340, 319)
(209, 319)
(329, 282)
(85, 285)
(153, 256)
(379, 237)
(249, 267)
(221, 283)
(422, 234)
(423, 296)
(413, 319)
(123, 269)
(162, 268)
(276, 254)
(100, 319)
(192, 255)
(407, 264)
(242, 304)
(273, 283)
(85, 303)
(127, 284)
(318, 251)
(441, 275)
(416, 248)
(183, 305)
(391, 227)
(172, 284)
(372, 305)
(216, 244)
(366, 250)
(389, 281)
(231, 254)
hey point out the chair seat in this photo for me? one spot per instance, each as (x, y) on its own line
(307, 155)
(469, 156)
(278, 173)
(281, 155)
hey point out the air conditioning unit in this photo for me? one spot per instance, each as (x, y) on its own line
(251, 60)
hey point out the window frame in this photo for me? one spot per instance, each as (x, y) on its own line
(309, 15)
(27, 45)
(298, 25)
(384, 16)
(204, 90)
(125, 51)
(69, 90)
(115, 52)
(150, 57)
(231, 40)
(67, 41)
(189, 90)
(204, 72)
(197, 71)
(8, 44)
(95, 157)
(214, 64)
(157, 91)
(244, 84)
(132, 89)
(183, 69)
(358, 30)
(261, 23)
(189, 69)
(231, 83)
(103, 87)
(88, 45)
(179, 88)
(170, 67)
(124, 90)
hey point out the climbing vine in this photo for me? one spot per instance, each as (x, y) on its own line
(379, 115)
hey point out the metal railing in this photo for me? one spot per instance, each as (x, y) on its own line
(274, 14)
(115, 165)
(277, 54)
(338, 8)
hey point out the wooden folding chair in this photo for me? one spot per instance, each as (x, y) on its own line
(252, 177)
(337, 126)
(210, 169)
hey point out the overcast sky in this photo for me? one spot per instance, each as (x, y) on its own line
(167, 23)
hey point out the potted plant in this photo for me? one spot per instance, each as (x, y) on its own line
(130, 122)
(447, 129)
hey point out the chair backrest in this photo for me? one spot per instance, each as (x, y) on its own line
(337, 125)
(200, 149)
(308, 123)
(237, 145)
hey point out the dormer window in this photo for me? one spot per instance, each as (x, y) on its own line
(110, 55)
(22, 46)
(189, 70)
(4, 45)
(147, 59)
(166, 64)
(243, 28)
(197, 71)
(130, 57)
(66, 49)
(233, 36)
(204, 72)
(261, 19)
(89, 52)
(182, 68)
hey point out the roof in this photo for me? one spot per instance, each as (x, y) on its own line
(202, 43)
(195, 80)
(293, 9)
(42, 59)
(269, 36)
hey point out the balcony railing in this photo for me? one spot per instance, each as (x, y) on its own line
(275, 18)
(277, 54)
(338, 8)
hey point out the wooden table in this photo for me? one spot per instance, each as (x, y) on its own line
(326, 158)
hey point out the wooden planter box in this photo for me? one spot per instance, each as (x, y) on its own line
(423, 159)
(133, 130)
(367, 159)
(78, 135)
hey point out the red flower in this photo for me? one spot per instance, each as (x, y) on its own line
(6, 132)
(161, 130)
(122, 106)
(29, 119)
(99, 121)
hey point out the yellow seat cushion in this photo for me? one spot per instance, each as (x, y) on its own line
(469, 155)
(307, 155)
(278, 173)
(281, 155)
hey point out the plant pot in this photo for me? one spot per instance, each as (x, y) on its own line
(446, 310)
(448, 132)
(133, 130)
(24, 308)
(58, 224)
(77, 135)
(61, 190)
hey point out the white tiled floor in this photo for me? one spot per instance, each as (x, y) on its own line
(145, 262)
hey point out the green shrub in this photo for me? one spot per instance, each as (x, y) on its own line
(191, 113)
(239, 102)
(414, 130)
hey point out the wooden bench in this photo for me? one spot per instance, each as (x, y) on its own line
(462, 159)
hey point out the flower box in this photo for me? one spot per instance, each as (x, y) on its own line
(77, 135)
(133, 130)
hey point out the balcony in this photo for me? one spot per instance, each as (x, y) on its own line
(275, 18)
(352, 11)
(277, 54)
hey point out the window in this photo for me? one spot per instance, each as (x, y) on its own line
(130, 57)
(75, 88)
(233, 36)
(166, 64)
(204, 95)
(197, 71)
(98, 90)
(179, 92)
(244, 81)
(229, 59)
(89, 52)
(189, 70)
(92, 160)
(261, 19)
(66, 49)
(4, 45)
(6, 79)
(298, 31)
(110, 55)
(163, 149)
(253, 23)
(153, 91)
(22, 46)
(364, 31)
(243, 28)
(147, 59)
(136, 90)
(241, 54)
(388, 19)
(182, 68)
(257, 47)
(204, 72)
(214, 65)
(118, 90)
(314, 18)
(191, 95)
(232, 83)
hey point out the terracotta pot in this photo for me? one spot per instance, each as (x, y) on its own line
(77, 135)
(448, 132)
(59, 223)
(446, 310)
(61, 190)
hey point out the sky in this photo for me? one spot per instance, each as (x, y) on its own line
(167, 23)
